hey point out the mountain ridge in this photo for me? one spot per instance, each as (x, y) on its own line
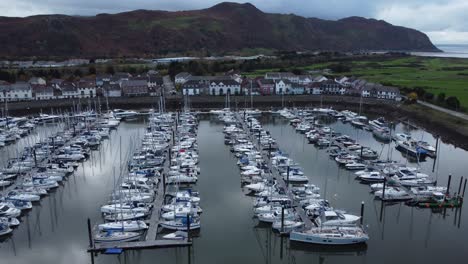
(225, 27)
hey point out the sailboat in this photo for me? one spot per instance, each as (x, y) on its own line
(126, 226)
(116, 236)
(331, 235)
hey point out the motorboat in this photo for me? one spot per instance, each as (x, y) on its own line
(402, 137)
(353, 165)
(336, 218)
(373, 176)
(276, 216)
(181, 224)
(177, 235)
(5, 229)
(331, 235)
(393, 194)
(287, 226)
(10, 221)
(8, 211)
(181, 179)
(18, 195)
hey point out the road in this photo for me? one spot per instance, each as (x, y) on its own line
(445, 110)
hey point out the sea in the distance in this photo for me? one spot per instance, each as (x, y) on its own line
(448, 51)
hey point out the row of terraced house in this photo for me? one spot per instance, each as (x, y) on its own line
(283, 83)
(116, 85)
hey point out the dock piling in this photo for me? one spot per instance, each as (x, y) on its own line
(448, 184)
(188, 227)
(460, 185)
(362, 212)
(464, 188)
(90, 236)
(383, 190)
(282, 220)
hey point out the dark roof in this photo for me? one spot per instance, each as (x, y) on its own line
(20, 86)
(249, 81)
(286, 81)
(68, 87)
(225, 82)
(38, 88)
(130, 83)
(56, 81)
(263, 81)
(121, 75)
(156, 79)
(192, 84)
(111, 87)
(182, 75)
(86, 84)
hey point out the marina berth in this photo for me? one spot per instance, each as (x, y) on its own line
(280, 182)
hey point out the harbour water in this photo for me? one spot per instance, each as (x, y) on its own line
(55, 231)
(448, 51)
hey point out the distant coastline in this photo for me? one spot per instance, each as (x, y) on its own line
(448, 51)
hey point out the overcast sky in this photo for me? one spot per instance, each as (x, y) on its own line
(445, 21)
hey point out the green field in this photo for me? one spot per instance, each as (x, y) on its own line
(435, 75)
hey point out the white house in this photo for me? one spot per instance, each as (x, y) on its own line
(37, 80)
(282, 87)
(111, 90)
(192, 87)
(155, 85)
(16, 92)
(388, 92)
(225, 86)
(276, 76)
(69, 90)
(319, 78)
(304, 79)
(182, 77)
(86, 89)
(42, 92)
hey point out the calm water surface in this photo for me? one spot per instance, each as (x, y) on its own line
(55, 231)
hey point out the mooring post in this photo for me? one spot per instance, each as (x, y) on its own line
(269, 151)
(436, 153)
(383, 190)
(188, 227)
(170, 158)
(362, 212)
(464, 188)
(90, 237)
(164, 183)
(460, 185)
(282, 219)
(35, 157)
(448, 184)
